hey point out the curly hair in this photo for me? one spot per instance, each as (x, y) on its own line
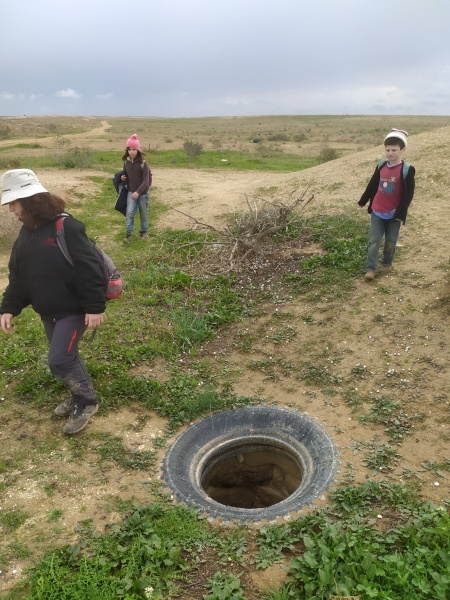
(40, 209)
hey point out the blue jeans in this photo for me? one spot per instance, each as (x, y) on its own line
(140, 203)
(379, 227)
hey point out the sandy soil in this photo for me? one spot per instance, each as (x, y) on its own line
(394, 332)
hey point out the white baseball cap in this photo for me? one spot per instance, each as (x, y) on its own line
(19, 183)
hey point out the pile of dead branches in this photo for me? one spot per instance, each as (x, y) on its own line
(248, 233)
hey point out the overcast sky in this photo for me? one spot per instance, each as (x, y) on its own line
(187, 58)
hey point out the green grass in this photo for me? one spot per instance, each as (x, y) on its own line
(158, 550)
(332, 273)
(110, 161)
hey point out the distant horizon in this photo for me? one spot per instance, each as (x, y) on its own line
(124, 116)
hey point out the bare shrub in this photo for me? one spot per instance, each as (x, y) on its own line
(327, 154)
(7, 163)
(77, 158)
(5, 131)
(267, 149)
(192, 149)
(278, 137)
(61, 142)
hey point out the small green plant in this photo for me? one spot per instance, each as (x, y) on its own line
(55, 515)
(272, 542)
(360, 371)
(231, 547)
(190, 327)
(12, 519)
(112, 448)
(381, 457)
(225, 587)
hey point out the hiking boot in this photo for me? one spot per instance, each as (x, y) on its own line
(65, 408)
(79, 418)
(385, 268)
(143, 234)
(127, 238)
(369, 276)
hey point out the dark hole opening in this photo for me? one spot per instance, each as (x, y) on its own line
(251, 476)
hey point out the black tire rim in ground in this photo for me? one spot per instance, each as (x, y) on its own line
(296, 444)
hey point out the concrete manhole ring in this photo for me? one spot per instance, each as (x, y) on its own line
(251, 464)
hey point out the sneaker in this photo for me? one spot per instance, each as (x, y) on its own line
(127, 238)
(65, 408)
(79, 418)
(369, 276)
(385, 268)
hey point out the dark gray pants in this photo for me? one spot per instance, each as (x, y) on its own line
(65, 361)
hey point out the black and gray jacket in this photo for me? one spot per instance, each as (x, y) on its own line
(40, 276)
(408, 191)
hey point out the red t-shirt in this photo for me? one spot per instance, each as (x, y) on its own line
(390, 189)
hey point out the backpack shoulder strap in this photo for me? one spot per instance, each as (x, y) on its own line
(60, 237)
(405, 170)
(405, 167)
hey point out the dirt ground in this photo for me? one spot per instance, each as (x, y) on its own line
(393, 333)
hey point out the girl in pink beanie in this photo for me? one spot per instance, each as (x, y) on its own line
(137, 176)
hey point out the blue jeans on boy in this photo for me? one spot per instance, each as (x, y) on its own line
(390, 228)
(140, 203)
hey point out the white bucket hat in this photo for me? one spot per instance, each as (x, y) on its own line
(19, 183)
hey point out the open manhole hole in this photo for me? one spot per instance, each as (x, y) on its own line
(251, 463)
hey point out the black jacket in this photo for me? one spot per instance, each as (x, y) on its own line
(40, 275)
(408, 193)
(122, 190)
(117, 180)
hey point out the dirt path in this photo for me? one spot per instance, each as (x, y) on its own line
(50, 140)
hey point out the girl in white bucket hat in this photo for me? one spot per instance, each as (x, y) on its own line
(69, 299)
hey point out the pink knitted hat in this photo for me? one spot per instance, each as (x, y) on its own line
(133, 142)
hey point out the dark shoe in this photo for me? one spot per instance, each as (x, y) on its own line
(65, 408)
(143, 235)
(79, 418)
(385, 268)
(369, 276)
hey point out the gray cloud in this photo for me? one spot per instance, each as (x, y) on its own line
(242, 57)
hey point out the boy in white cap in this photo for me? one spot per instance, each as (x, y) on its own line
(389, 193)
